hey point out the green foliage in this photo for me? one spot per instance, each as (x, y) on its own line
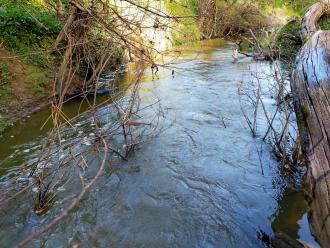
(4, 73)
(2, 128)
(286, 42)
(325, 22)
(305, 112)
(297, 7)
(26, 28)
(194, 6)
(186, 29)
(36, 80)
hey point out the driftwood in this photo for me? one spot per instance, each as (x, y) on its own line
(311, 88)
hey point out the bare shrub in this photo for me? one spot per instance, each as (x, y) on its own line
(230, 18)
(92, 33)
(267, 98)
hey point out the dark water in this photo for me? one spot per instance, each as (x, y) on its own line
(198, 183)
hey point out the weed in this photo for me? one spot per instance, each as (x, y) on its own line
(4, 73)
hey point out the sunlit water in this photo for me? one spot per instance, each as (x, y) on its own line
(198, 183)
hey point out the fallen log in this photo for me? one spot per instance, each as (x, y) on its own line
(310, 85)
(311, 19)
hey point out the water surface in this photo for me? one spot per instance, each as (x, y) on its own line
(198, 183)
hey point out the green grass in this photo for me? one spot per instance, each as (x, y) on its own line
(27, 28)
(6, 93)
(36, 81)
(4, 73)
(2, 128)
(299, 7)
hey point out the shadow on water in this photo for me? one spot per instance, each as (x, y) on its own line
(198, 183)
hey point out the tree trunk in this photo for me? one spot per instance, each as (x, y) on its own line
(311, 88)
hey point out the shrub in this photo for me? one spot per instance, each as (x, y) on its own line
(325, 22)
(26, 28)
(4, 73)
(221, 18)
(288, 40)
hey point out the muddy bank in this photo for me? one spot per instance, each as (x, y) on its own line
(25, 89)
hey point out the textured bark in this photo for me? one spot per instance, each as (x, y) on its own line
(310, 23)
(311, 88)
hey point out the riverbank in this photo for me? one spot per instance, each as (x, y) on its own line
(25, 71)
(23, 89)
(28, 79)
(30, 62)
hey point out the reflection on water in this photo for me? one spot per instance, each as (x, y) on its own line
(198, 183)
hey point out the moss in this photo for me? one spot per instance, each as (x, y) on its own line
(325, 22)
(36, 80)
(305, 112)
(287, 41)
(4, 73)
(297, 7)
(302, 119)
(2, 128)
(185, 29)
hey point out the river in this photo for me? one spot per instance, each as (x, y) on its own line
(198, 183)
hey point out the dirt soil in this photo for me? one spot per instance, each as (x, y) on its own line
(27, 88)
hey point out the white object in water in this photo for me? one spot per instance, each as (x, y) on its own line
(61, 188)
(86, 142)
(235, 54)
(35, 189)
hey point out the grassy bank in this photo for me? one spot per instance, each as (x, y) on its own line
(185, 29)
(26, 73)
(28, 61)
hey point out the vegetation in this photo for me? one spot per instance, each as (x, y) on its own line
(288, 40)
(186, 29)
(291, 7)
(29, 61)
(325, 22)
(28, 28)
(27, 31)
(222, 18)
(72, 45)
(4, 73)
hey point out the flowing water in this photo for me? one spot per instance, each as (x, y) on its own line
(198, 183)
